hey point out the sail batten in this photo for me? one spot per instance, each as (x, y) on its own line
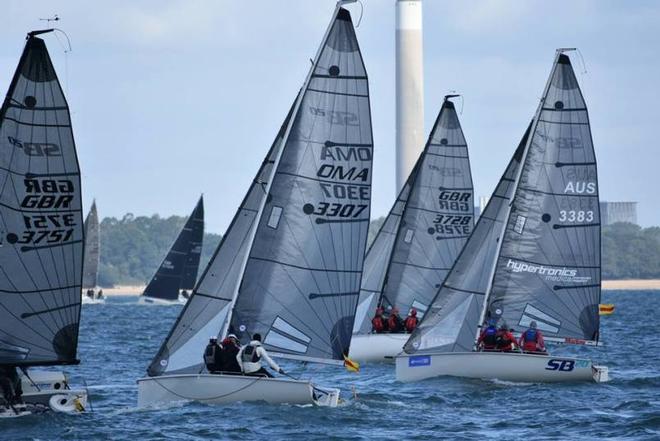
(41, 226)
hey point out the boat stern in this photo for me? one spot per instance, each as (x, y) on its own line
(601, 374)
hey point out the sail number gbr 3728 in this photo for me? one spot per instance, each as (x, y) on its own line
(348, 185)
(451, 221)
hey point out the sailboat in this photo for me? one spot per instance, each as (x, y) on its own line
(290, 263)
(534, 255)
(41, 235)
(178, 271)
(421, 237)
(91, 290)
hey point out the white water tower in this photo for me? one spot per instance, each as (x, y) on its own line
(409, 88)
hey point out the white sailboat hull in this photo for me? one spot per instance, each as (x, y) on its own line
(224, 389)
(376, 348)
(145, 300)
(49, 390)
(507, 366)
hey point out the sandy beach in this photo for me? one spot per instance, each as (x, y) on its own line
(610, 285)
(632, 284)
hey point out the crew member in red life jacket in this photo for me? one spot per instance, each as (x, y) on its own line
(488, 338)
(394, 323)
(411, 321)
(505, 340)
(532, 340)
(378, 323)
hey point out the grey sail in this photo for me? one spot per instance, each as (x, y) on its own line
(433, 217)
(41, 229)
(92, 249)
(548, 268)
(376, 262)
(302, 279)
(166, 283)
(191, 264)
(450, 324)
(207, 309)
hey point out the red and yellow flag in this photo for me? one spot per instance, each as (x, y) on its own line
(606, 308)
(350, 365)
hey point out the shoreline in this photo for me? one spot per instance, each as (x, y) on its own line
(608, 285)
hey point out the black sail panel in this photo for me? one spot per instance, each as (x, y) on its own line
(207, 309)
(166, 282)
(92, 249)
(450, 324)
(302, 280)
(548, 270)
(437, 220)
(191, 265)
(41, 226)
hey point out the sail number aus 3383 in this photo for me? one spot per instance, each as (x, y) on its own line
(576, 216)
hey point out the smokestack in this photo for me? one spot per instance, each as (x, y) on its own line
(409, 88)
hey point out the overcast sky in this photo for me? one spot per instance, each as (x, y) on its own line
(174, 98)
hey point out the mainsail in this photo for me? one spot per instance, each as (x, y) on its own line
(41, 229)
(548, 268)
(539, 236)
(167, 281)
(426, 228)
(191, 264)
(92, 249)
(291, 261)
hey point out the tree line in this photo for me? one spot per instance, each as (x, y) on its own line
(133, 247)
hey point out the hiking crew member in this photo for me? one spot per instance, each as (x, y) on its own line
(532, 340)
(250, 356)
(411, 321)
(505, 341)
(212, 355)
(488, 339)
(378, 323)
(227, 361)
(394, 323)
(10, 385)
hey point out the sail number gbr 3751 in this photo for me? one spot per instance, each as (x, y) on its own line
(342, 180)
(48, 227)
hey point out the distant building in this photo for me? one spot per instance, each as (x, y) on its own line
(612, 212)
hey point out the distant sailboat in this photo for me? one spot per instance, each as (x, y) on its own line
(178, 271)
(91, 290)
(290, 264)
(41, 235)
(534, 256)
(424, 232)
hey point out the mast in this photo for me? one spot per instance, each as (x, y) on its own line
(276, 163)
(523, 160)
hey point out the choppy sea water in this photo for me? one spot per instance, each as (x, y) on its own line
(119, 338)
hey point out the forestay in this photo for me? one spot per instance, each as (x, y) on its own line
(41, 229)
(548, 269)
(167, 281)
(92, 249)
(208, 306)
(451, 322)
(302, 279)
(411, 257)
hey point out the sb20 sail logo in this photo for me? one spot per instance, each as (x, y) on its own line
(565, 365)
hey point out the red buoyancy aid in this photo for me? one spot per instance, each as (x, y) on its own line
(378, 324)
(505, 340)
(394, 323)
(411, 323)
(530, 340)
